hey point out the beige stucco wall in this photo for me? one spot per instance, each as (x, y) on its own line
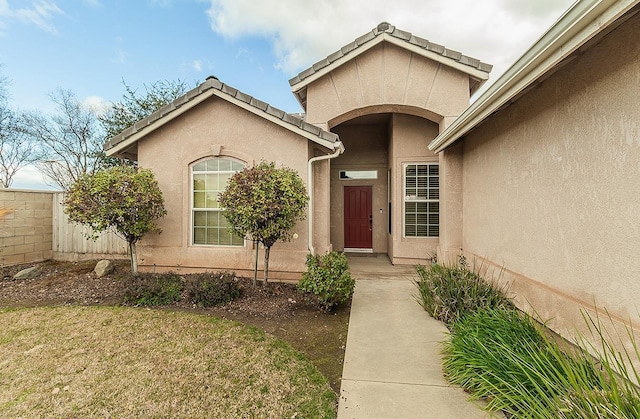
(552, 190)
(451, 199)
(387, 78)
(366, 149)
(423, 97)
(385, 148)
(321, 202)
(410, 136)
(199, 134)
(25, 226)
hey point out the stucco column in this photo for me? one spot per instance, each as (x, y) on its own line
(450, 203)
(322, 207)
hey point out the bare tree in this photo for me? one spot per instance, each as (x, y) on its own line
(69, 140)
(16, 150)
(135, 106)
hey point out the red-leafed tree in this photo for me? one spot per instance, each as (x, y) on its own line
(264, 203)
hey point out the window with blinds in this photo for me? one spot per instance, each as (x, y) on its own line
(209, 226)
(421, 200)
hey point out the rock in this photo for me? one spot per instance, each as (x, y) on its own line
(28, 273)
(104, 267)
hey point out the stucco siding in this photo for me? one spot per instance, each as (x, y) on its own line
(397, 63)
(388, 76)
(551, 189)
(420, 81)
(366, 149)
(409, 138)
(215, 127)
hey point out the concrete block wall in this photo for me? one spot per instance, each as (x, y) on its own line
(25, 226)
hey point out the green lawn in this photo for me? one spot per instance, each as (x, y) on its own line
(128, 362)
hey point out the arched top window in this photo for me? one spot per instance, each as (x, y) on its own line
(208, 179)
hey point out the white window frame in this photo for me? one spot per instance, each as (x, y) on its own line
(406, 199)
(192, 208)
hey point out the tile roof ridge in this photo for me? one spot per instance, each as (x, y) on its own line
(387, 28)
(212, 82)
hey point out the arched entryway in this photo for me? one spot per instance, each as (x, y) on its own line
(368, 199)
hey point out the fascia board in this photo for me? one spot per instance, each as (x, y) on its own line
(581, 22)
(134, 138)
(385, 37)
(199, 99)
(290, 127)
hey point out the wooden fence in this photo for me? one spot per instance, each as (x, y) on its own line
(34, 227)
(70, 242)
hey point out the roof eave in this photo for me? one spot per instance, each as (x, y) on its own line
(480, 76)
(204, 92)
(584, 20)
(134, 138)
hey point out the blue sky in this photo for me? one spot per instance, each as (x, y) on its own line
(90, 46)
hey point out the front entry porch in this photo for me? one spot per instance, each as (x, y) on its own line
(374, 204)
(377, 267)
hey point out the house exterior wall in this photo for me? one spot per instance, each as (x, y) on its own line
(410, 136)
(216, 127)
(551, 190)
(451, 199)
(321, 203)
(366, 147)
(423, 97)
(387, 78)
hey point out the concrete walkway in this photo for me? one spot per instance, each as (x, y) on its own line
(392, 365)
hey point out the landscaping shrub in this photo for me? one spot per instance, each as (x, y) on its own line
(499, 355)
(619, 395)
(328, 279)
(151, 289)
(504, 357)
(448, 293)
(211, 289)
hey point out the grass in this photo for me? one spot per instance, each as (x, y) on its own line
(128, 362)
(506, 358)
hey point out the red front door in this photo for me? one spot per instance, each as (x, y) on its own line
(357, 217)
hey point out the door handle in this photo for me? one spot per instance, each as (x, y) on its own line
(370, 222)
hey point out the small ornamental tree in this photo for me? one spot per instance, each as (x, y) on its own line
(122, 198)
(264, 203)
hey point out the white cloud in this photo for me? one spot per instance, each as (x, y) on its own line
(305, 31)
(40, 13)
(120, 56)
(30, 178)
(197, 65)
(97, 104)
